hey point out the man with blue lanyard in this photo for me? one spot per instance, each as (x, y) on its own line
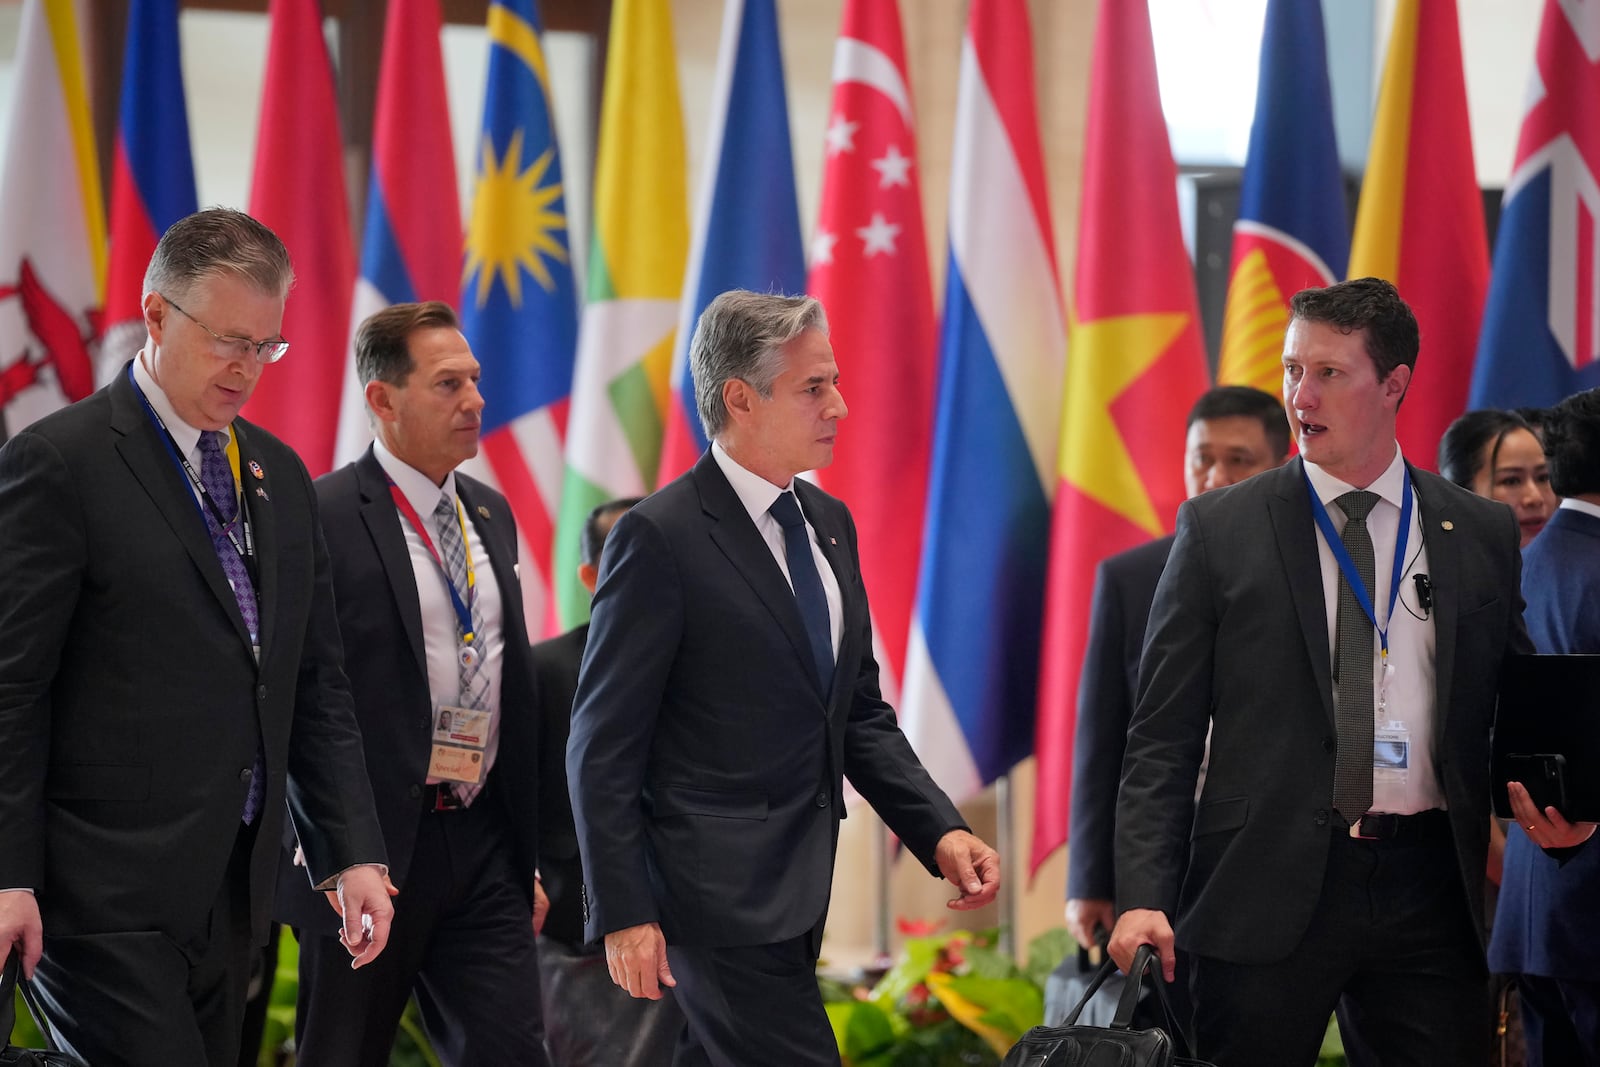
(425, 576)
(1339, 624)
(170, 675)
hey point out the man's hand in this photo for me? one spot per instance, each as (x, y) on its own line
(20, 928)
(969, 865)
(1144, 926)
(637, 959)
(1546, 828)
(363, 895)
(1086, 915)
(541, 906)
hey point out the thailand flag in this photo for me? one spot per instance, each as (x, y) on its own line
(972, 665)
(152, 175)
(1541, 325)
(412, 247)
(749, 220)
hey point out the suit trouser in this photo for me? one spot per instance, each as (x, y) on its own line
(462, 940)
(591, 1022)
(1560, 1021)
(752, 1006)
(138, 997)
(1392, 933)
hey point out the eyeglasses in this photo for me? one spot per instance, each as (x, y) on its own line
(237, 347)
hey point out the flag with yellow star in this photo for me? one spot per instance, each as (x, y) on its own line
(519, 304)
(1135, 364)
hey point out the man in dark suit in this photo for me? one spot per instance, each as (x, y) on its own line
(425, 578)
(169, 674)
(727, 689)
(1234, 431)
(1339, 844)
(1544, 929)
(589, 1021)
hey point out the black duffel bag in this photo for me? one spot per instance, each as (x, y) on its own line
(11, 1055)
(1073, 1044)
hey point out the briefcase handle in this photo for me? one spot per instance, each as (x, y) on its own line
(30, 996)
(1123, 1020)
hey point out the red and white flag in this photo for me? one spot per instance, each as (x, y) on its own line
(869, 267)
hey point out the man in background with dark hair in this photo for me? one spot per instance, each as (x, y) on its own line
(1234, 432)
(1337, 849)
(425, 578)
(589, 1022)
(1544, 930)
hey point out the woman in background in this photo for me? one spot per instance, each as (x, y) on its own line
(1497, 454)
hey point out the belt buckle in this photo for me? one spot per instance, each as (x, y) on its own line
(1373, 827)
(445, 799)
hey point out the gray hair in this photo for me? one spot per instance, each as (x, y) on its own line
(218, 241)
(738, 337)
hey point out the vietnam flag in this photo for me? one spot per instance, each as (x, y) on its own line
(1420, 222)
(1135, 365)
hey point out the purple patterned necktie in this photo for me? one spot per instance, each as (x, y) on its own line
(217, 477)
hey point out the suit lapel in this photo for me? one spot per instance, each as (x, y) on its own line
(263, 528)
(1436, 519)
(488, 525)
(382, 520)
(144, 450)
(1296, 536)
(736, 535)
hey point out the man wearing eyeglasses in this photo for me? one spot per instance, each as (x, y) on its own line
(170, 673)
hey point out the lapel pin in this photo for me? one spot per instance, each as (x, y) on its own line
(255, 469)
(483, 512)
(1447, 525)
(834, 541)
(516, 568)
(260, 492)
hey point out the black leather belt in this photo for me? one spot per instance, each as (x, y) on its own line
(440, 797)
(1424, 826)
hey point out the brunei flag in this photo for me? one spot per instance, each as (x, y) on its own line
(1420, 223)
(636, 261)
(1135, 365)
(1292, 231)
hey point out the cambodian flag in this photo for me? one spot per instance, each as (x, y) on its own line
(1541, 325)
(748, 234)
(412, 247)
(972, 665)
(152, 174)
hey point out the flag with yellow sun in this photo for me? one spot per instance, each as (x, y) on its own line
(519, 305)
(1135, 365)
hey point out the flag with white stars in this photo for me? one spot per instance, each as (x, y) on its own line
(869, 267)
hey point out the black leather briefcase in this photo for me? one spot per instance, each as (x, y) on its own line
(11, 1055)
(1078, 1045)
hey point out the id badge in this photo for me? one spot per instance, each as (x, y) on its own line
(459, 737)
(1391, 753)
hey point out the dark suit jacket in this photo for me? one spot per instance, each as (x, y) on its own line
(130, 703)
(1124, 585)
(555, 665)
(706, 766)
(1239, 639)
(1544, 923)
(376, 592)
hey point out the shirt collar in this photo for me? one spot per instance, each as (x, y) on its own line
(1387, 485)
(186, 437)
(1572, 503)
(417, 487)
(754, 492)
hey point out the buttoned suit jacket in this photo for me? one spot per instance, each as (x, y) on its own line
(706, 764)
(555, 664)
(1543, 923)
(131, 705)
(1124, 586)
(1238, 639)
(380, 616)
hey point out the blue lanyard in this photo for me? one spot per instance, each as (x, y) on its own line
(463, 610)
(1347, 566)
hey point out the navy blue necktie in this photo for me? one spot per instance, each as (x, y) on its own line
(807, 583)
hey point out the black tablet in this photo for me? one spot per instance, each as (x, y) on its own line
(1547, 734)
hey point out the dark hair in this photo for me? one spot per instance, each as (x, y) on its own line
(1462, 446)
(218, 240)
(1371, 305)
(1232, 401)
(597, 527)
(1535, 418)
(1572, 441)
(383, 350)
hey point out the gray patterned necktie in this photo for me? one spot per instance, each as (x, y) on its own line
(474, 683)
(217, 477)
(1352, 691)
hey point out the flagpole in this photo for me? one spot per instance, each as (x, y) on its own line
(1005, 839)
(880, 917)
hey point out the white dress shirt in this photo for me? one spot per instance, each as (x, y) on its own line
(1412, 691)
